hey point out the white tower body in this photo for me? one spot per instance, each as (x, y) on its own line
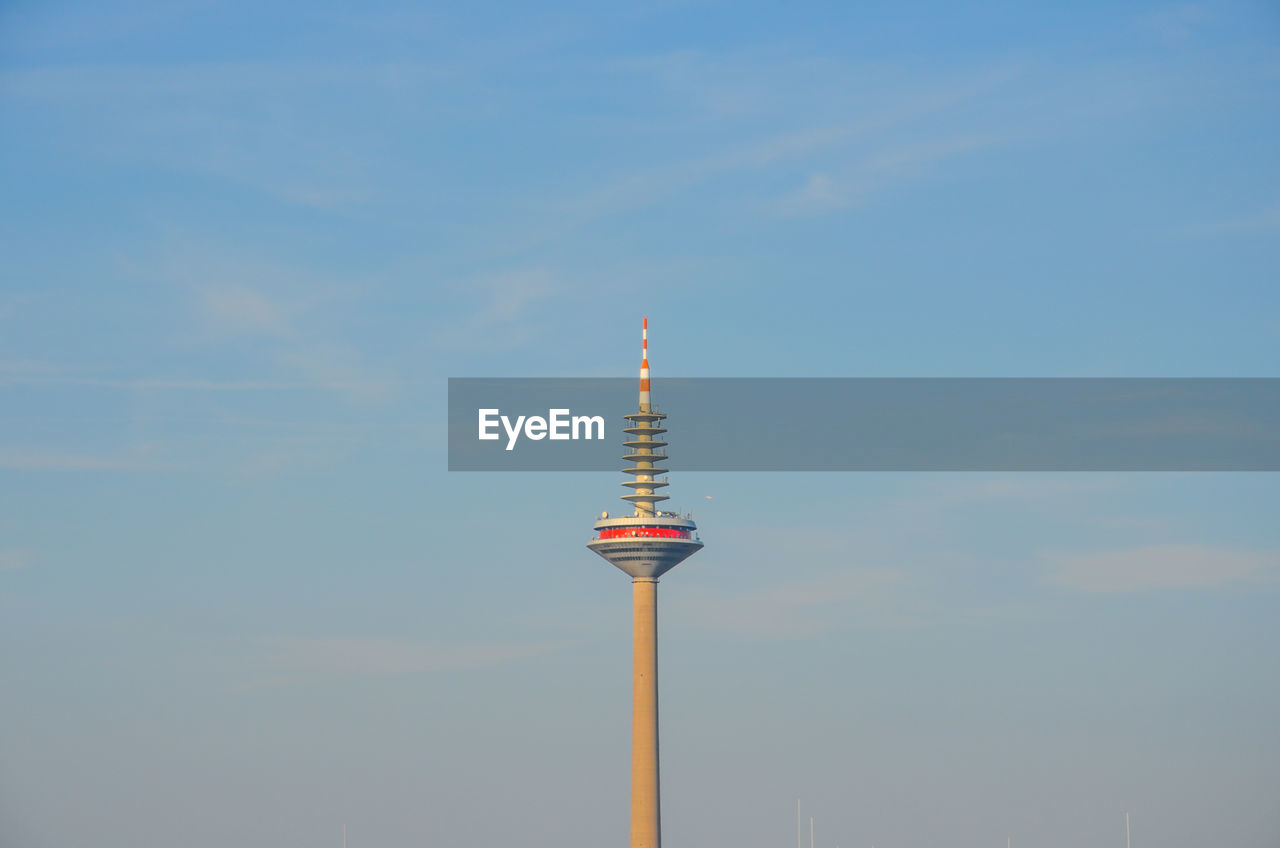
(645, 546)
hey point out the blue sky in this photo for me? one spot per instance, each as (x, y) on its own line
(244, 248)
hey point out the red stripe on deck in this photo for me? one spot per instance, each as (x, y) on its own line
(646, 532)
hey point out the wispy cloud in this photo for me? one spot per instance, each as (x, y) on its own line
(820, 193)
(265, 143)
(1162, 567)
(290, 312)
(1265, 222)
(193, 384)
(318, 367)
(14, 559)
(94, 82)
(393, 656)
(838, 141)
(497, 310)
(947, 493)
(792, 610)
(1176, 23)
(240, 309)
(26, 368)
(856, 183)
(18, 460)
(826, 127)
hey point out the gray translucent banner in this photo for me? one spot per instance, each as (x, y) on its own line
(788, 424)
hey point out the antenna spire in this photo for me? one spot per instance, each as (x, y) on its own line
(644, 367)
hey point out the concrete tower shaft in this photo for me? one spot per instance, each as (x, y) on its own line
(645, 545)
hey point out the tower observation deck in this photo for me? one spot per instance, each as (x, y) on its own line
(645, 545)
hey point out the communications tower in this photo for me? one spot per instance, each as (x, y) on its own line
(645, 545)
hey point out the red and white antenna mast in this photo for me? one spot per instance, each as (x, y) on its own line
(645, 405)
